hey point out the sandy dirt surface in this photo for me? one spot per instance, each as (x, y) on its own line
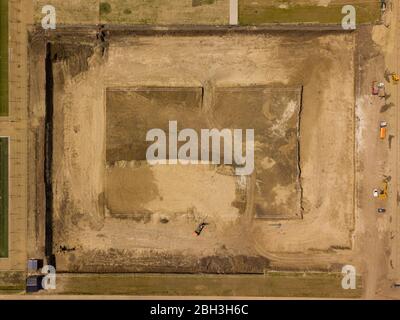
(86, 237)
(341, 159)
(273, 114)
(371, 229)
(382, 262)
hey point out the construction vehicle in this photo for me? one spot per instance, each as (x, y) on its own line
(383, 5)
(381, 193)
(381, 90)
(374, 88)
(392, 76)
(382, 129)
(200, 228)
(384, 190)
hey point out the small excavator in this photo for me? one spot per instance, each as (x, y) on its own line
(382, 193)
(393, 76)
(200, 228)
(384, 190)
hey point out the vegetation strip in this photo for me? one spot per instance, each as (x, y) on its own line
(3, 197)
(256, 13)
(272, 284)
(3, 58)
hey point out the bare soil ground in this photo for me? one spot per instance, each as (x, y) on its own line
(88, 239)
(273, 113)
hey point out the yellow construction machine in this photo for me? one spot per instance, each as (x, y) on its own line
(382, 193)
(392, 76)
(384, 190)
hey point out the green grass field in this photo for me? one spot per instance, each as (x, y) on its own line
(258, 12)
(12, 282)
(162, 12)
(272, 284)
(4, 58)
(3, 197)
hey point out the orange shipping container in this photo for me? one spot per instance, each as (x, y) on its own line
(383, 127)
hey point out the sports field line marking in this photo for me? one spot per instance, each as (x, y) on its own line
(233, 12)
